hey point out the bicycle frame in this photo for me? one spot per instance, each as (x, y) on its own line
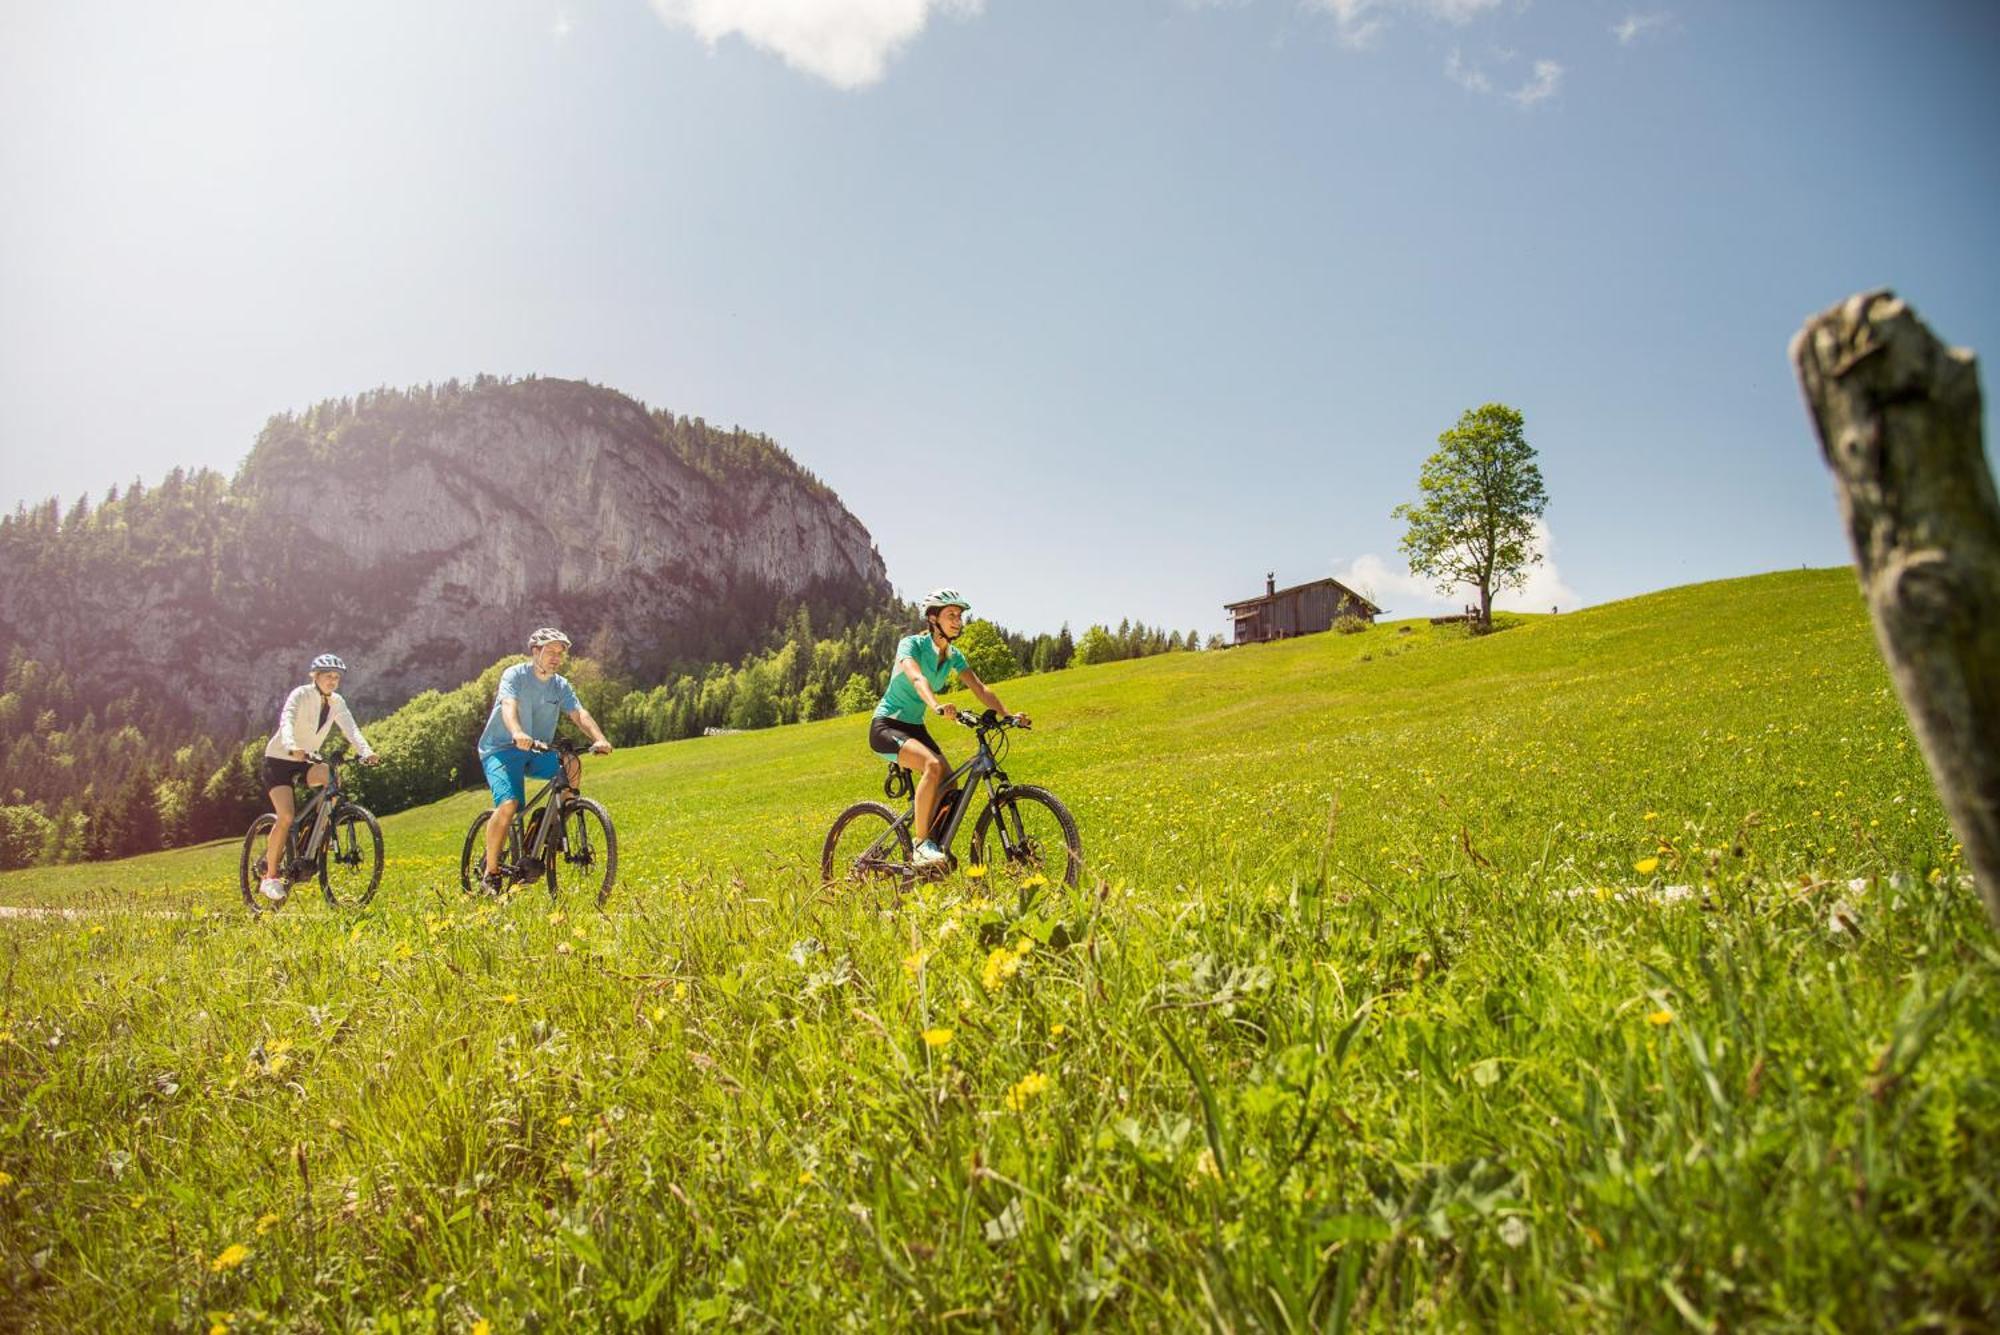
(554, 792)
(981, 768)
(325, 804)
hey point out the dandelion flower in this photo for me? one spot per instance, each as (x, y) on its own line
(1662, 1016)
(806, 1177)
(1646, 866)
(1025, 1089)
(1001, 965)
(1058, 1030)
(235, 1254)
(265, 1223)
(564, 1120)
(937, 1038)
(974, 872)
(511, 999)
(482, 1327)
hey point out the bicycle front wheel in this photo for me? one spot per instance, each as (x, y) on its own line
(1032, 833)
(472, 858)
(866, 847)
(250, 869)
(584, 854)
(350, 861)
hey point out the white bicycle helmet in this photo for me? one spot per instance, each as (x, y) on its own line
(939, 599)
(328, 663)
(547, 635)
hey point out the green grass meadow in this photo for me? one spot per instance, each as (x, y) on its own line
(1613, 971)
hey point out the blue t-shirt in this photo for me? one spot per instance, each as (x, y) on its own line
(901, 701)
(540, 704)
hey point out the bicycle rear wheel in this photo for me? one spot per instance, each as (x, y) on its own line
(350, 861)
(584, 854)
(1032, 833)
(866, 847)
(472, 858)
(250, 867)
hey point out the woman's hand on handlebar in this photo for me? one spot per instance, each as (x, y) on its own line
(949, 710)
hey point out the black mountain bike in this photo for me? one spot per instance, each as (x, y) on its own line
(331, 838)
(1028, 829)
(577, 850)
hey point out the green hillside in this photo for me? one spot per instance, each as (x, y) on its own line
(1353, 1021)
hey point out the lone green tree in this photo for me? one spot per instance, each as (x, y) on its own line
(1481, 495)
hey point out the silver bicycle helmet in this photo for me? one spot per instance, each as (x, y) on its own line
(328, 663)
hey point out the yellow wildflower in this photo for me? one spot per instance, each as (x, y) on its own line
(1646, 866)
(1001, 965)
(1058, 1030)
(913, 963)
(564, 1120)
(511, 999)
(1662, 1016)
(806, 1177)
(233, 1255)
(1026, 1088)
(265, 1223)
(1033, 881)
(974, 872)
(937, 1038)
(482, 1327)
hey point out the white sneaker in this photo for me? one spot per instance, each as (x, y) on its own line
(273, 888)
(927, 854)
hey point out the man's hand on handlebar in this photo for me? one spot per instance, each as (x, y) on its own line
(527, 743)
(600, 747)
(949, 710)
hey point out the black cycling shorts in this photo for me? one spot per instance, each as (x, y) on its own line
(284, 773)
(886, 736)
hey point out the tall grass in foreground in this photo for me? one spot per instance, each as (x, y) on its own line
(1363, 1025)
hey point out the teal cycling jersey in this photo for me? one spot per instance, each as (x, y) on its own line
(901, 701)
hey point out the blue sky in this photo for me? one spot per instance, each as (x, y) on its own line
(1095, 309)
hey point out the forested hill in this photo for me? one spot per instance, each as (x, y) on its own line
(421, 533)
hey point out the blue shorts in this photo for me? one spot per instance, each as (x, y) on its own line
(505, 771)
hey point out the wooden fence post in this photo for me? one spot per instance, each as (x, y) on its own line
(1898, 417)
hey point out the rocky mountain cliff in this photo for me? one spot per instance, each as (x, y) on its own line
(423, 533)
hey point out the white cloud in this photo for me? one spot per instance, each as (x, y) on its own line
(563, 26)
(1401, 594)
(1633, 27)
(849, 43)
(1547, 78)
(1360, 22)
(1469, 77)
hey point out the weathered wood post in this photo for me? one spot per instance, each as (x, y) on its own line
(1898, 417)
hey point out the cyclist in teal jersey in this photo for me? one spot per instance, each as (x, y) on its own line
(924, 663)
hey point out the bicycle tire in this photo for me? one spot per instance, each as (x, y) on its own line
(475, 847)
(837, 866)
(577, 816)
(353, 832)
(1035, 854)
(255, 841)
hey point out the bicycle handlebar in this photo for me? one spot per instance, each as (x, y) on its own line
(986, 718)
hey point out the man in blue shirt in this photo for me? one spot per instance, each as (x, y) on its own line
(924, 663)
(531, 701)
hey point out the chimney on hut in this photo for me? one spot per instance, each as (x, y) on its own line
(1270, 582)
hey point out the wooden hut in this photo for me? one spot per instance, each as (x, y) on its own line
(1303, 609)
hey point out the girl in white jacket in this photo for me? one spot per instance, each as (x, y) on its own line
(309, 714)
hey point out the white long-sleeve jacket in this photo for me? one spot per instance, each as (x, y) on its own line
(301, 729)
